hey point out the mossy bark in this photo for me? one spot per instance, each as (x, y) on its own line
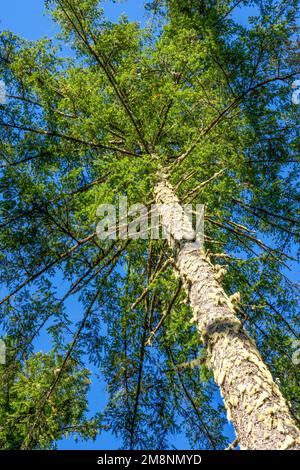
(254, 403)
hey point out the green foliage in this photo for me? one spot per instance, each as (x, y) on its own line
(192, 94)
(23, 390)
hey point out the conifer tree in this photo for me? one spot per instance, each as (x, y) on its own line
(192, 108)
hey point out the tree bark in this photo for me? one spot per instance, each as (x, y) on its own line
(253, 401)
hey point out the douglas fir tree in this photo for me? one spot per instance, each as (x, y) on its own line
(192, 108)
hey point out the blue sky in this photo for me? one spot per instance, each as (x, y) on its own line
(27, 19)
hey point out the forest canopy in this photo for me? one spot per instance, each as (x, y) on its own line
(191, 107)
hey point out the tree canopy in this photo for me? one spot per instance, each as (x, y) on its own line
(192, 93)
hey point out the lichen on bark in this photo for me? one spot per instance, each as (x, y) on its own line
(253, 401)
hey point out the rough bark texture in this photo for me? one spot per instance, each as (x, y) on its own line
(253, 400)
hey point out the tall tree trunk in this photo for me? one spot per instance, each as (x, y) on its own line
(253, 400)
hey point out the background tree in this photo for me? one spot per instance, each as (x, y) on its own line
(26, 385)
(207, 101)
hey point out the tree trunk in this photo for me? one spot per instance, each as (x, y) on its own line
(254, 403)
